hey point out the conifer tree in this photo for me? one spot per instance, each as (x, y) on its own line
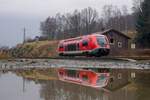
(143, 24)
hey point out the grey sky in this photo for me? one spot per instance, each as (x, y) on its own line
(16, 14)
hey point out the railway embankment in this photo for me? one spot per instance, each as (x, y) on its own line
(5, 55)
(39, 49)
(48, 49)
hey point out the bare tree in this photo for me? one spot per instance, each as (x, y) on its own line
(74, 22)
(137, 5)
(48, 27)
(125, 13)
(89, 19)
(111, 15)
(107, 14)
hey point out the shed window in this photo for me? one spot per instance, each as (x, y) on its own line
(111, 41)
(119, 44)
(111, 79)
(119, 76)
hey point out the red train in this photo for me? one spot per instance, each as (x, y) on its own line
(88, 45)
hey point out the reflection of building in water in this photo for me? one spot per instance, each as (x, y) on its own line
(57, 90)
(118, 78)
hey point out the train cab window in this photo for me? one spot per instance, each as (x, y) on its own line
(85, 43)
(85, 78)
(101, 41)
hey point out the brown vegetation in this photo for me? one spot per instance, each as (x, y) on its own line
(133, 53)
(39, 74)
(36, 49)
(4, 55)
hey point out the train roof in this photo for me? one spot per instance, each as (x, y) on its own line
(80, 37)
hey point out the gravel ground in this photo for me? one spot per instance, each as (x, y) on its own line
(45, 63)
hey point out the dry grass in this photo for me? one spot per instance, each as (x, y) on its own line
(37, 49)
(4, 55)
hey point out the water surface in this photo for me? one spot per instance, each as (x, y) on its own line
(16, 87)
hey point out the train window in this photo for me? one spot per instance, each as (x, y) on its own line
(85, 43)
(61, 46)
(72, 47)
(78, 46)
(101, 41)
(72, 73)
(66, 48)
(85, 78)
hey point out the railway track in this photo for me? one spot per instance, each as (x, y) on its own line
(80, 58)
(95, 58)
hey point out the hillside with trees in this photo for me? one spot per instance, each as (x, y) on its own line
(87, 21)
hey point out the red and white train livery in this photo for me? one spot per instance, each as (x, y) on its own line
(88, 45)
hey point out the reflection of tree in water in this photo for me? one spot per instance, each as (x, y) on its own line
(143, 86)
(56, 90)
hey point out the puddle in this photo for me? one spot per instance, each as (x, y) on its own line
(13, 87)
(37, 84)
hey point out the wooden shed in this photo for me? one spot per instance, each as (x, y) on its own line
(118, 40)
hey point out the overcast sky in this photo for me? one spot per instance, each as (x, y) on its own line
(16, 14)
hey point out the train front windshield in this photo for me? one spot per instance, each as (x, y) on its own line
(101, 41)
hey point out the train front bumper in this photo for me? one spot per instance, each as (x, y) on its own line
(100, 51)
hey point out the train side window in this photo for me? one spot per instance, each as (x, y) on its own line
(78, 46)
(66, 48)
(61, 46)
(85, 43)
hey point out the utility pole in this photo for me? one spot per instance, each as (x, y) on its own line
(23, 85)
(24, 35)
(140, 6)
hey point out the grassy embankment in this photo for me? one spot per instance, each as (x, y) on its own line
(39, 49)
(4, 55)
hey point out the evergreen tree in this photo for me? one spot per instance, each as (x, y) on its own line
(143, 24)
